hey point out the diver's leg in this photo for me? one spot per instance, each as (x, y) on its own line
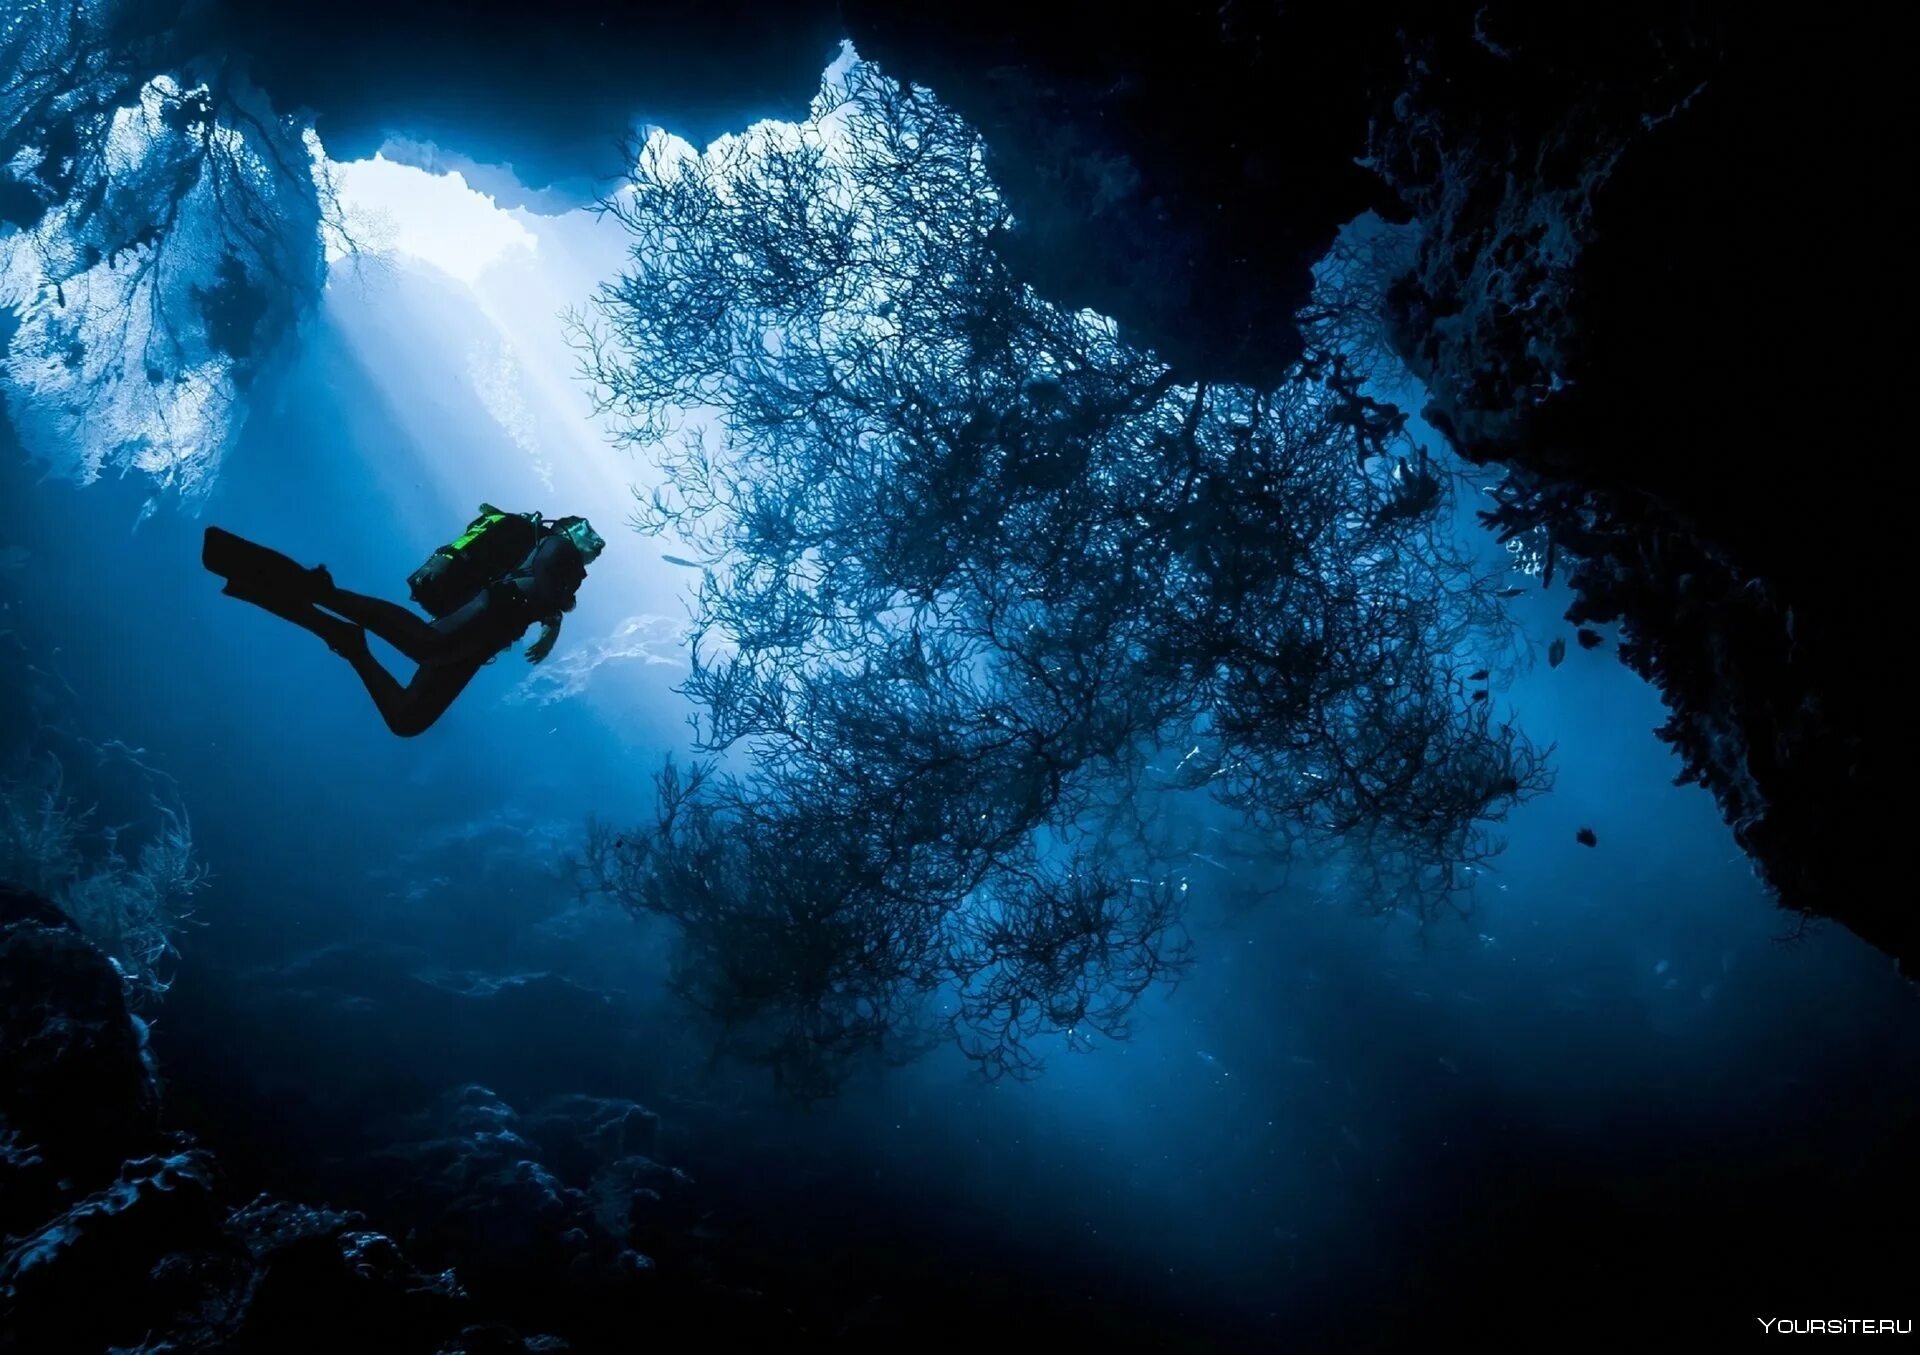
(411, 709)
(341, 636)
(406, 632)
(475, 631)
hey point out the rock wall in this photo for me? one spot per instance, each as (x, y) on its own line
(1653, 288)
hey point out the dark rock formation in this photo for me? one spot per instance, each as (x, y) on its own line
(1180, 167)
(547, 90)
(326, 1269)
(158, 1260)
(1646, 235)
(471, 1183)
(75, 1079)
(152, 1240)
(580, 1133)
(467, 1181)
(1621, 298)
(186, 1273)
(151, 1250)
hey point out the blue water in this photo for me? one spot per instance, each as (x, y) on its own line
(1336, 1124)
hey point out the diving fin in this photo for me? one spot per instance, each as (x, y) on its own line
(257, 574)
(275, 583)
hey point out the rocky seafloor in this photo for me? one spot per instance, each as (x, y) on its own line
(475, 1225)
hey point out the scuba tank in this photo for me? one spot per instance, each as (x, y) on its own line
(493, 545)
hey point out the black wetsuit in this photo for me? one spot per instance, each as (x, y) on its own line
(449, 651)
(455, 647)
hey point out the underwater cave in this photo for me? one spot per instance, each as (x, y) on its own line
(1172, 677)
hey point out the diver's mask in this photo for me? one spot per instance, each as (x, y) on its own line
(585, 540)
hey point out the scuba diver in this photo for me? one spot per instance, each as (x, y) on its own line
(505, 572)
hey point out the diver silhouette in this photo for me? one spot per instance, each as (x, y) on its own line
(507, 571)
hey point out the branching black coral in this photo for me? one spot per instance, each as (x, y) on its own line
(973, 563)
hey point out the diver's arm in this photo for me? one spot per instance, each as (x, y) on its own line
(543, 643)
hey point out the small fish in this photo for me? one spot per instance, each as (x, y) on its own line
(1661, 968)
(1302, 1061)
(1557, 651)
(1510, 592)
(681, 561)
(1480, 676)
(1586, 837)
(1450, 1066)
(1480, 695)
(1589, 639)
